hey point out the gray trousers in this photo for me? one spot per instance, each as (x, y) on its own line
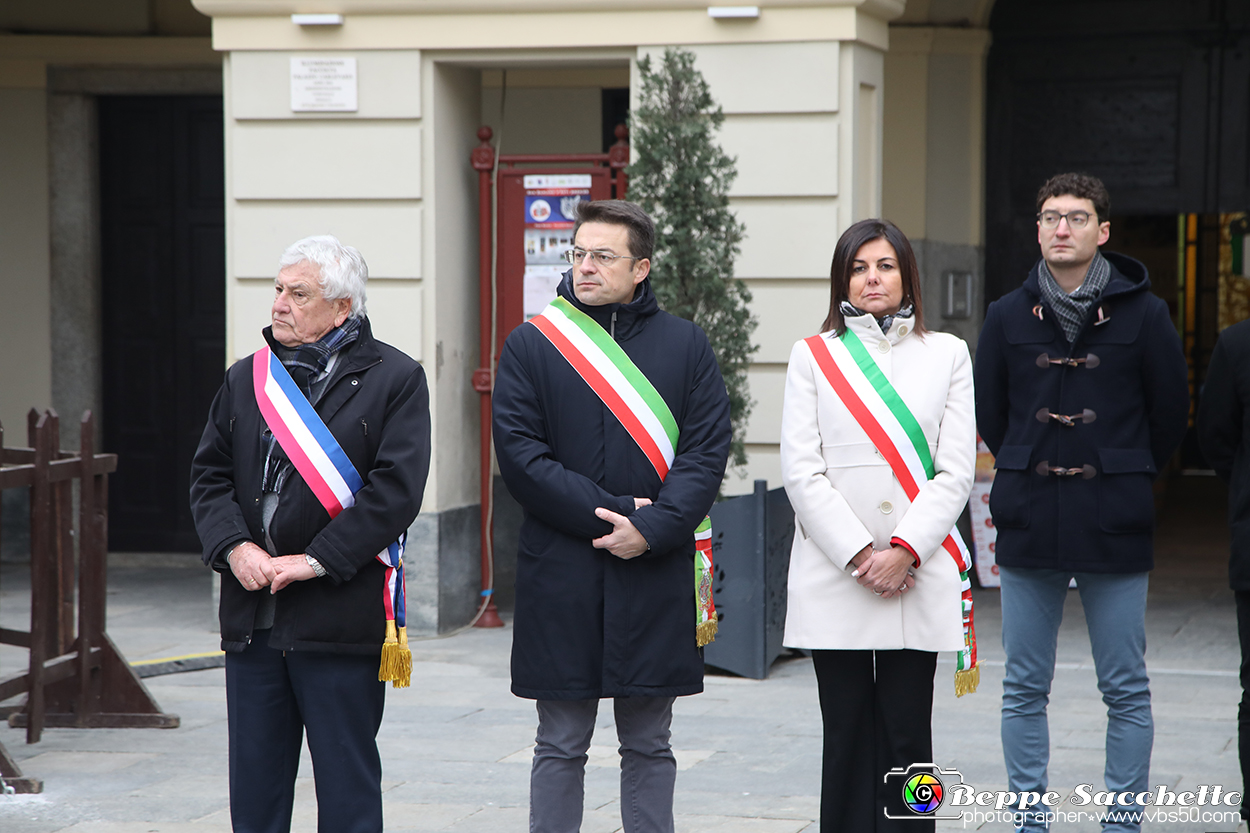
(648, 768)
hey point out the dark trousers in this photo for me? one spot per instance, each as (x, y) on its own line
(1243, 711)
(878, 716)
(271, 698)
(648, 768)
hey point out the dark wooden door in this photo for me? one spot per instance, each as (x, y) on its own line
(1151, 96)
(162, 213)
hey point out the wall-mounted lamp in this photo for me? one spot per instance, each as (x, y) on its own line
(731, 12)
(317, 19)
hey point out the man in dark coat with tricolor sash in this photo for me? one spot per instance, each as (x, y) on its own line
(611, 426)
(310, 470)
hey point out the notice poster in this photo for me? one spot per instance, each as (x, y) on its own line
(323, 85)
(550, 211)
(984, 535)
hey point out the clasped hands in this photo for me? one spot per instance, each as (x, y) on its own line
(887, 573)
(254, 569)
(624, 541)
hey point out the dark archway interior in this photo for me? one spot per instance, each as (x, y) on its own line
(1152, 97)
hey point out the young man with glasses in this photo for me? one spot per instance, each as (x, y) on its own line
(611, 426)
(1082, 396)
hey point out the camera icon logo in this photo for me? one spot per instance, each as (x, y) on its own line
(919, 792)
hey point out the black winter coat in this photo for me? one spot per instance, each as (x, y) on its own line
(1224, 432)
(1102, 520)
(589, 624)
(377, 405)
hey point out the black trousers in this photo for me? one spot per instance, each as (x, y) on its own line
(271, 698)
(1243, 711)
(878, 715)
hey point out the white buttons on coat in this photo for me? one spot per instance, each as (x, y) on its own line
(886, 507)
(883, 346)
(902, 330)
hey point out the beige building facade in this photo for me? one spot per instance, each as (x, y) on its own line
(835, 111)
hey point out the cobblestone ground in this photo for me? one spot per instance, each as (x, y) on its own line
(456, 745)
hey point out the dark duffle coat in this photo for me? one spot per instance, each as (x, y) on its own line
(1101, 520)
(589, 624)
(1224, 432)
(377, 406)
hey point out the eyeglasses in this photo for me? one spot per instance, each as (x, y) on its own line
(576, 256)
(1076, 219)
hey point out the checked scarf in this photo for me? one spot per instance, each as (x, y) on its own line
(849, 310)
(1071, 310)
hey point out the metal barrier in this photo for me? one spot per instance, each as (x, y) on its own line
(73, 679)
(751, 537)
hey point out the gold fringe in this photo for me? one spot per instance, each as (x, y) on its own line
(706, 632)
(966, 681)
(403, 673)
(390, 654)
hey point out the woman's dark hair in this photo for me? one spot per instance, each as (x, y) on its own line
(849, 244)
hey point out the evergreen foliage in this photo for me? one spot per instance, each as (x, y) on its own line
(681, 177)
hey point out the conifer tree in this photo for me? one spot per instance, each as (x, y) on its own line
(681, 177)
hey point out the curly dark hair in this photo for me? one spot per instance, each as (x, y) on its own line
(865, 231)
(1084, 186)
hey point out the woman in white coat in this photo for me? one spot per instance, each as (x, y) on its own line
(878, 449)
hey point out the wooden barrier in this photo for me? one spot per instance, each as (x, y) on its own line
(73, 679)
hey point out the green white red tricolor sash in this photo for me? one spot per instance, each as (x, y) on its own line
(640, 409)
(327, 471)
(893, 429)
(614, 377)
(705, 609)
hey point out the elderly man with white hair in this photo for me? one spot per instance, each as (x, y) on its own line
(310, 470)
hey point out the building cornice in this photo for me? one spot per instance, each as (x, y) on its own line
(883, 9)
(598, 25)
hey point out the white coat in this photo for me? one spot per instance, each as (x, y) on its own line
(845, 496)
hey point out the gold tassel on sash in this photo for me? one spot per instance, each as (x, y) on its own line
(396, 666)
(705, 632)
(967, 680)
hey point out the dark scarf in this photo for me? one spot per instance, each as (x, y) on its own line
(307, 364)
(308, 361)
(849, 310)
(1071, 310)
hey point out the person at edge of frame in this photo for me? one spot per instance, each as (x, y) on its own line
(1082, 397)
(1224, 435)
(302, 611)
(605, 581)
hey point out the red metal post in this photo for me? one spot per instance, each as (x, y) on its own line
(484, 376)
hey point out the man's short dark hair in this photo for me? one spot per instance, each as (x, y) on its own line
(1083, 186)
(620, 213)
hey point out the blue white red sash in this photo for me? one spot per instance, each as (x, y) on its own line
(328, 471)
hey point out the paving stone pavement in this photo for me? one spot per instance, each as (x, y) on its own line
(455, 746)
